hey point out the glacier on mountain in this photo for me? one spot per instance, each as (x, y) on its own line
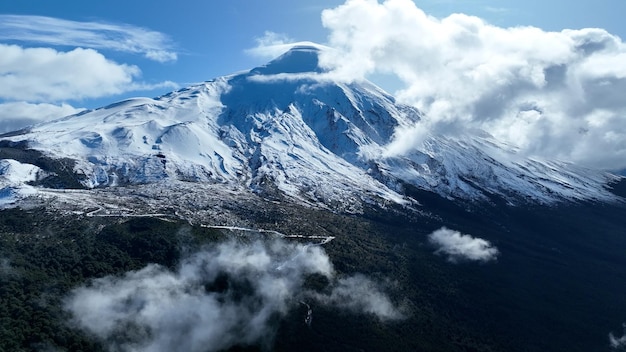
(289, 127)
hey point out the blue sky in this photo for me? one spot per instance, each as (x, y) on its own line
(85, 54)
(211, 37)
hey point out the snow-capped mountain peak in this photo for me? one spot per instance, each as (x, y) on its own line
(285, 127)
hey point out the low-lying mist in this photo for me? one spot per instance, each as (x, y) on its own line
(227, 294)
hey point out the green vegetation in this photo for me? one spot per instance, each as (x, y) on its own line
(43, 257)
(558, 284)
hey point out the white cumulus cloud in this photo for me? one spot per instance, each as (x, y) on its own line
(554, 94)
(46, 75)
(36, 82)
(457, 246)
(226, 295)
(99, 35)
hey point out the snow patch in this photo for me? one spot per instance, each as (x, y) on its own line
(13, 178)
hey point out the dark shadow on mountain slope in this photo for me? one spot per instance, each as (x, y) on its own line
(618, 188)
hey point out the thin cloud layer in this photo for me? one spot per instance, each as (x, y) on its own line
(360, 295)
(224, 296)
(33, 80)
(554, 94)
(618, 343)
(271, 45)
(5, 267)
(458, 247)
(98, 35)
(18, 115)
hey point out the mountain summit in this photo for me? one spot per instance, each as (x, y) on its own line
(301, 58)
(286, 129)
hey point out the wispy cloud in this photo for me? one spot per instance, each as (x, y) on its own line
(226, 295)
(34, 80)
(17, 115)
(270, 45)
(457, 246)
(361, 295)
(98, 35)
(497, 9)
(5, 267)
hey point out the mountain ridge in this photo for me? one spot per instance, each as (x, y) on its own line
(314, 139)
(466, 237)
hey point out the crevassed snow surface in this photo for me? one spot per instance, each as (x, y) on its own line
(286, 123)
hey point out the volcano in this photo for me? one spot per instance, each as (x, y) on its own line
(269, 210)
(292, 128)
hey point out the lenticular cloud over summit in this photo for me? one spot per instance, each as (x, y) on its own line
(554, 94)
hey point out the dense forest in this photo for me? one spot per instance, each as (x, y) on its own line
(557, 285)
